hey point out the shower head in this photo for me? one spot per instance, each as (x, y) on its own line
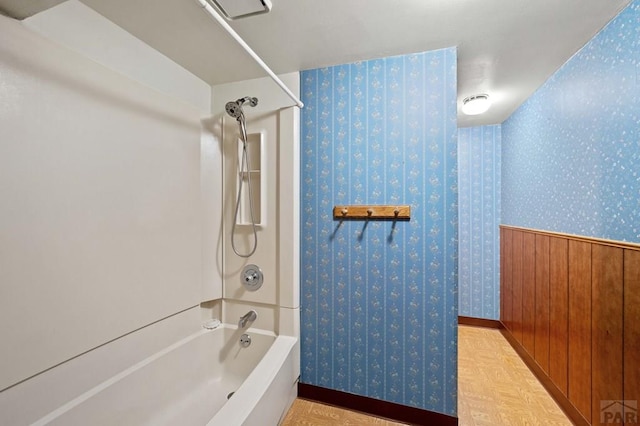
(234, 108)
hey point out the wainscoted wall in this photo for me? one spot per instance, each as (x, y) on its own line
(571, 153)
(479, 212)
(571, 306)
(379, 299)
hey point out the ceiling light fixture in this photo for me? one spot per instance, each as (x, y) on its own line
(236, 9)
(477, 104)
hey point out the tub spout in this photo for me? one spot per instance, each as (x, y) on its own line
(248, 317)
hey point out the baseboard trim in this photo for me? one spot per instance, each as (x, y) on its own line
(563, 401)
(375, 407)
(479, 322)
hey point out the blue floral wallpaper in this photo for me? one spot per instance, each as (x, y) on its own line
(571, 153)
(479, 152)
(379, 299)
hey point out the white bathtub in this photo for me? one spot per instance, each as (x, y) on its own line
(188, 383)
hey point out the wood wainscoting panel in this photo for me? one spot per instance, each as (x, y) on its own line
(541, 345)
(579, 389)
(559, 311)
(528, 291)
(507, 278)
(632, 327)
(606, 317)
(503, 233)
(516, 281)
(579, 297)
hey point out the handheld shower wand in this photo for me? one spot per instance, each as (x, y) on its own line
(234, 109)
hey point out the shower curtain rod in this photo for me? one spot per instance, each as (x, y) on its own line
(215, 15)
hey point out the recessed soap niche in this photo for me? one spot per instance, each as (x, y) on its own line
(254, 154)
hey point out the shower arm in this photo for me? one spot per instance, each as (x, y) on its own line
(215, 15)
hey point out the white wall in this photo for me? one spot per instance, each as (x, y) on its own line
(100, 209)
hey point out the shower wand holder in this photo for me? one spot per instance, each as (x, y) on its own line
(367, 212)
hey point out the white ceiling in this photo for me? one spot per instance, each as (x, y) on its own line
(506, 48)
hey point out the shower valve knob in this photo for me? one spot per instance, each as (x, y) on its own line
(252, 277)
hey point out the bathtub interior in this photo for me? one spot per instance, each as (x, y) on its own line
(186, 383)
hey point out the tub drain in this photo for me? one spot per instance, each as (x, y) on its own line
(230, 394)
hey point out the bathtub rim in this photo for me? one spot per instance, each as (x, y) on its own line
(95, 390)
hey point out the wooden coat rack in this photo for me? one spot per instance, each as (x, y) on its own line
(368, 212)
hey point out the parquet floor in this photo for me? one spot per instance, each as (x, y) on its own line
(495, 388)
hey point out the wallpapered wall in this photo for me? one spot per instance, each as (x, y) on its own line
(571, 153)
(379, 299)
(479, 211)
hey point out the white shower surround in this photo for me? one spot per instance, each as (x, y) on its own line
(277, 254)
(43, 390)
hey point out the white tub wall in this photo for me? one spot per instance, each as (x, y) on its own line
(277, 238)
(101, 221)
(212, 219)
(289, 209)
(108, 44)
(289, 325)
(81, 29)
